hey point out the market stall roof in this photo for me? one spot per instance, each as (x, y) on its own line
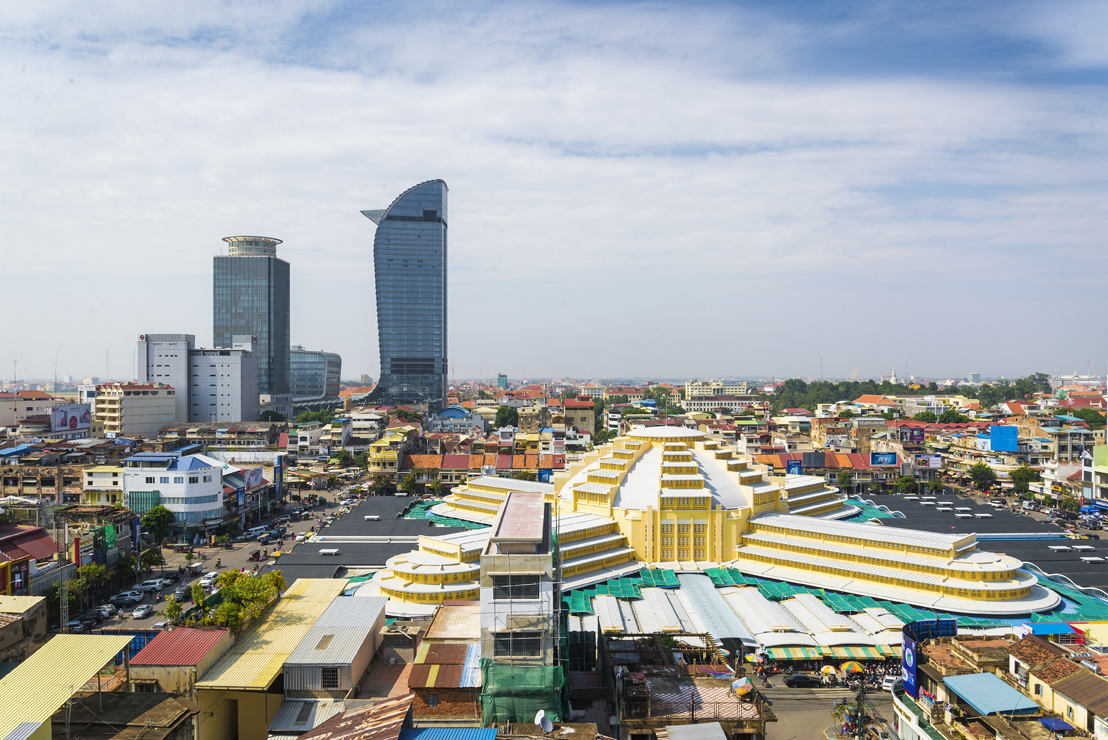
(988, 694)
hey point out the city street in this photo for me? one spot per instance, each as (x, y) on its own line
(235, 557)
(804, 714)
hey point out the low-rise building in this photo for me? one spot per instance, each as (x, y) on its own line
(103, 484)
(225, 434)
(133, 409)
(188, 485)
(25, 618)
(175, 659)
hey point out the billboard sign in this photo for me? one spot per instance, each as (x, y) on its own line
(911, 434)
(1004, 439)
(908, 666)
(882, 459)
(253, 477)
(929, 462)
(794, 467)
(241, 495)
(70, 417)
(136, 538)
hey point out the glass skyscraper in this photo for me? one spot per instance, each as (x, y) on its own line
(251, 297)
(409, 265)
(315, 375)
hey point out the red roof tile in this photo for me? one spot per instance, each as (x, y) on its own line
(455, 462)
(519, 462)
(178, 646)
(503, 462)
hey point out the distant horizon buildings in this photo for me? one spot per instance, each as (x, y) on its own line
(410, 276)
(250, 297)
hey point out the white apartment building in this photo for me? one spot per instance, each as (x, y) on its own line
(188, 485)
(164, 358)
(218, 384)
(103, 486)
(133, 409)
(714, 388)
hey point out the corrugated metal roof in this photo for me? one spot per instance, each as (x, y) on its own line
(381, 721)
(301, 716)
(339, 633)
(46, 680)
(259, 656)
(447, 733)
(178, 646)
(19, 604)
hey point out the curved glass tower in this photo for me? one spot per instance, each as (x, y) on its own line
(409, 265)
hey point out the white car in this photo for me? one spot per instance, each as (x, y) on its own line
(301, 537)
(142, 612)
(155, 584)
(208, 580)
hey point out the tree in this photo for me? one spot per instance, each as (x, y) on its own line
(271, 415)
(602, 437)
(506, 416)
(173, 609)
(848, 414)
(846, 478)
(381, 485)
(323, 417)
(362, 460)
(157, 522)
(935, 485)
(905, 483)
(634, 411)
(983, 476)
(435, 487)
(94, 577)
(124, 568)
(407, 484)
(344, 459)
(926, 416)
(1023, 475)
(152, 557)
(198, 597)
(1092, 417)
(1069, 503)
(950, 416)
(524, 475)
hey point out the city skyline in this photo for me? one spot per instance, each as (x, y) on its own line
(913, 178)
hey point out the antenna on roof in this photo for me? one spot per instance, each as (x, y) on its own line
(543, 721)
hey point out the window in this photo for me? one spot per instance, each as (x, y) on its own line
(1038, 689)
(207, 479)
(194, 479)
(149, 479)
(508, 588)
(179, 479)
(432, 700)
(1069, 712)
(518, 644)
(164, 479)
(329, 677)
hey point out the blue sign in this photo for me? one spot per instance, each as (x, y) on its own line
(1004, 439)
(882, 459)
(908, 667)
(242, 508)
(794, 467)
(545, 475)
(136, 537)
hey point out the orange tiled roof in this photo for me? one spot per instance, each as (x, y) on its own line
(423, 462)
(519, 462)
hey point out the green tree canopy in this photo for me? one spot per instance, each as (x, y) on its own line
(408, 484)
(524, 475)
(950, 416)
(982, 475)
(935, 485)
(1069, 503)
(157, 522)
(926, 416)
(271, 415)
(905, 483)
(326, 416)
(846, 478)
(362, 460)
(381, 485)
(151, 558)
(435, 487)
(1023, 475)
(506, 416)
(1092, 417)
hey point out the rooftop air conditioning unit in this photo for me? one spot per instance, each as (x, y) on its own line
(330, 551)
(372, 517)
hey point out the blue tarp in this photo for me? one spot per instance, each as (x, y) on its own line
(988, 694)
(1056, 725)
(448, 733)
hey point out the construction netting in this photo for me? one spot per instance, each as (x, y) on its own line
(515, 693)
(422, 510)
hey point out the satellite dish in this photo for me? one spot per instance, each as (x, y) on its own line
(546, 724)
(539, 716)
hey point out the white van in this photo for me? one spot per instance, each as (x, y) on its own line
(256, 532)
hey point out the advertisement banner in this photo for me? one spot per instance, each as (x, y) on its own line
(908, 666)
(545, 475)
(882, 459)
(71, 417)
(930, 462)
(241, 494)
(911, 434)
(794, 467)
(136, 536)
(253, 477)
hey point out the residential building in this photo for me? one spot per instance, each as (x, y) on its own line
(133, 409)
(251, 298)
(700, 404)
(22, 626)
(695, 388)
(580, 413)
(225, 434)
(164, 358)
(410, 276)
(459, 420)
(124, 716)
(188, 485)
(313, 375)
(103, 485)
(386, 453)
(333, 656)
(336, 435)
(15, 407)
(445, 676)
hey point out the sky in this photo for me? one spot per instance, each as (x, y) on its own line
(636, 189)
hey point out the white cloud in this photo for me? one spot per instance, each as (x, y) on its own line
(663, 171)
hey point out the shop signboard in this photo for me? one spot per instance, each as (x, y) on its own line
(794, 467)
(136, 538)
(929, 462)
(253, 477)
(241, 495)
(882, 459)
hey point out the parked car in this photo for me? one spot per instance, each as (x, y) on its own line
(126, 598)
(301, 537)
(154, 584)
(801, 681)
(161, 625)
(891, 683)
(107, 611)
(142, 612)
(91, 617)
(183, 593)
(284, 518)
(75, 626)
(209, 580)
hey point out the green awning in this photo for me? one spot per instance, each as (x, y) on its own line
(856, 652)
(793, 653)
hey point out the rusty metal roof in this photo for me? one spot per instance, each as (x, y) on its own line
(179, 646)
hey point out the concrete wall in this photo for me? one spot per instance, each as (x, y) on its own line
(225, 715)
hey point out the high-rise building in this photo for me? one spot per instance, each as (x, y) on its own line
(502, 382)
(314, 376)
(251, 298)
(211, 384)
(409, 264)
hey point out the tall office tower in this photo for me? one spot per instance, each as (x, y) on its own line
(409, 265)
(251, 297)
(315, 375)
(164, 358)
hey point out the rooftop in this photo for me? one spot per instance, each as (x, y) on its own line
(521, 517)
(179, 646)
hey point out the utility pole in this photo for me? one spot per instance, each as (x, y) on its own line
(860, 719)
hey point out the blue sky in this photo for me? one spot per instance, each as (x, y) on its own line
(694, 189)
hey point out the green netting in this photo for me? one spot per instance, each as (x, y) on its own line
(659, 577)
(621, 588)
(577, 602)
(422, 510)
(515, 693)
(360, 579)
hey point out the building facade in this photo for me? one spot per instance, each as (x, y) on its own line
(314, 376)
(223, 383)
(133, 409)
(410, 273)
(188, 485)
(251, 297)
(164, 358)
